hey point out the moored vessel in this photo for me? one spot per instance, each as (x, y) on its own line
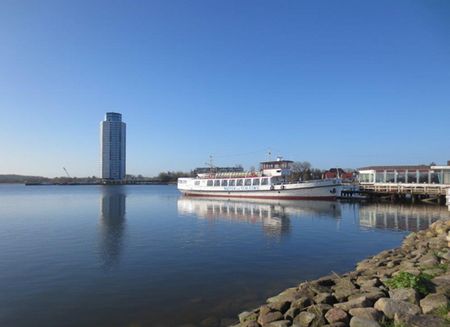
(270, 182)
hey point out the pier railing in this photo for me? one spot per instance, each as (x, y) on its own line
(405, 188)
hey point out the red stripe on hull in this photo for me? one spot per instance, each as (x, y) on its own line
(323, 198)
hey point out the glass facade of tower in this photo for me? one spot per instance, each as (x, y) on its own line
(113, 146)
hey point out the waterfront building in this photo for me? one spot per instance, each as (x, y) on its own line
(113, 147)
(418, 174)
(420, 182)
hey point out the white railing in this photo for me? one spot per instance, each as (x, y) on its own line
(404, 188)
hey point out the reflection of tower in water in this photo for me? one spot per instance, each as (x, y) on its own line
(112, 224)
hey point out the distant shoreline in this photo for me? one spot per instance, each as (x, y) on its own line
(93, 184)
(82, 184)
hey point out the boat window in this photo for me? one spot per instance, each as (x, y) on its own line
(224, 182)
(239, 182)
(256, 181)
(217, 182)
(264, 181)
(231, 182)
(209, 183)
(197, 183)
(248, 182)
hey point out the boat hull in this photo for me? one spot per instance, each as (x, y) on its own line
(326, 193)
(265, 196)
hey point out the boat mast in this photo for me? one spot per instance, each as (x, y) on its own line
(210, 164)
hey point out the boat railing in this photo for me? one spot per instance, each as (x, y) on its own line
(231, 175)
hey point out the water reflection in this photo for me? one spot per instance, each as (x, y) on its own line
(112, 224)
(273, 215)
(402, 217)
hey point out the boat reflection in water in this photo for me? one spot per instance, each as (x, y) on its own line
(112, 224)
(401, 217)
(273, 215)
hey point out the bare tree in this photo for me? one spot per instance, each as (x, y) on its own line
(300, 170)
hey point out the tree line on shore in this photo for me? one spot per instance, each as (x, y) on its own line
(163, 177)
(299, 171)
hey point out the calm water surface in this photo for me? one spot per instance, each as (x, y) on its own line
(145, 256)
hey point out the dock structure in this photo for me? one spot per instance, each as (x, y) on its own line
(448, 199)
(419, 182)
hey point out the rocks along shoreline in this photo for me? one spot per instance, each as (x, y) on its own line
(406, 286)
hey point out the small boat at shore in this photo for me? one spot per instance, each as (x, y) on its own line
(270, 182)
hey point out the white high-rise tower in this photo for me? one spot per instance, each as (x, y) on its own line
(113, 139)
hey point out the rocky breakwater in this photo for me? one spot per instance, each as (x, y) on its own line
(407, 286)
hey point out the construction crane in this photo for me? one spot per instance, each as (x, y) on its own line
(67, 173)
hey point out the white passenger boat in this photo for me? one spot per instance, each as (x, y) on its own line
(271, 182)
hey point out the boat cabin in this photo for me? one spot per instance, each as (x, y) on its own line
(271, 173)
(278, 167)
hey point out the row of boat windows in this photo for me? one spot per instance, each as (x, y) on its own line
(238, 182)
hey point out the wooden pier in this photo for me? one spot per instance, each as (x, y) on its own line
(407, 182)
(413, 191)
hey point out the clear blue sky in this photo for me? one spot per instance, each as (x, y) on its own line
(337, 83)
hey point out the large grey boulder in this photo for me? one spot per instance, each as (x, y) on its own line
(264, 319)
(305, 290)
(372, 295)
(366, 313)
(359, 302)
(433, 302)
(312, 317)
(336, 315)
(420, 321)
(247, 316)
(404, 294)
(279, 323)
(390, 307)
(343, 289)
(428, 261)
(361, 322)
(442, 284)
(304, 319)
(281, 306)
(365, 283)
